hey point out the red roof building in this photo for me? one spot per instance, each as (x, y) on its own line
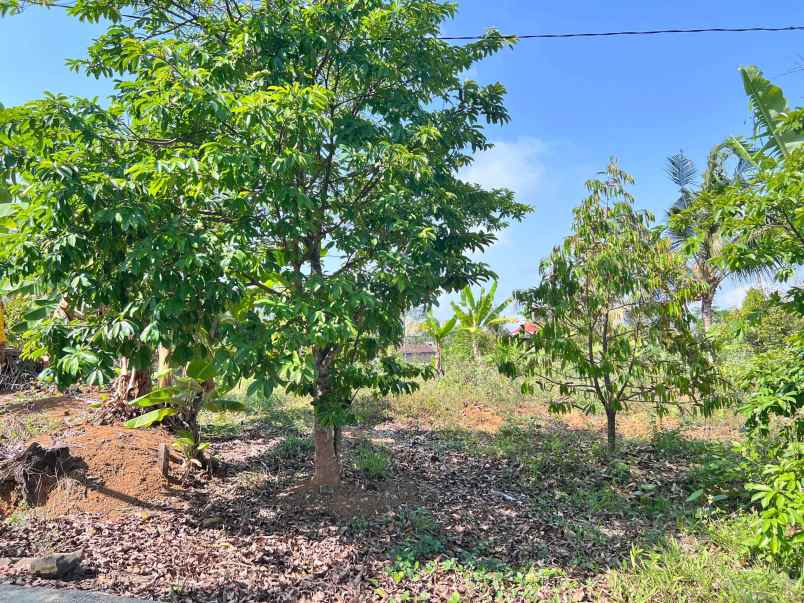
(528, 327)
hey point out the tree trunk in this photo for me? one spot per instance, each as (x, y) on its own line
(327, 455)
(439, 367)
(165, 378)
(611, 430)
(475, 348)
(706, 310)
(132, 383)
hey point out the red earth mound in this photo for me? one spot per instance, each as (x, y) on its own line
(122, 473)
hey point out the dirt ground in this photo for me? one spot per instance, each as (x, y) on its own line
(259, 530)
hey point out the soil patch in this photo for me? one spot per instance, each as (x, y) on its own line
(347, 500)
(481, 418)
(122, 472)
(22, 417)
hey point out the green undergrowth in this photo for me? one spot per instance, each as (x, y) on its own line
(686, 495)
(710, 565)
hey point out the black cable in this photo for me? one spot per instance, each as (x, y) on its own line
(650, 32)
(542, 36)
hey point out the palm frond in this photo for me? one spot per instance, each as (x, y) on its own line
(681, 170)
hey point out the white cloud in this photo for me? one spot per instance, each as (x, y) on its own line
(732, 298)
(515, 165)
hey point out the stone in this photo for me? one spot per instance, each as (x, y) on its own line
(28, 594)
(57, 565)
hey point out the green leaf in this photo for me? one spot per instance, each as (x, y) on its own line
(695, 495)
(225, 405)
(157, 396)
(767, 103)
(201, 370)
(37, 314)
(150, 418)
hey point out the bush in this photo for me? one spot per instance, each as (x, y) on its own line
(773, 410)
(780, 529)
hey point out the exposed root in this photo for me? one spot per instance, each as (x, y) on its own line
(35, 470)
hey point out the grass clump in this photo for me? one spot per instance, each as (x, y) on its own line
(373, 461)
(705, 568)
(294, 447)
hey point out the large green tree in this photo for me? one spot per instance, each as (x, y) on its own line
(611, 309)
(271, 185)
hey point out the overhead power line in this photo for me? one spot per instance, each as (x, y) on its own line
(542, 36)
(648, 32)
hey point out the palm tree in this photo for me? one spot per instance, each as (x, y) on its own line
(476, 315)
(699, 233)
(438, 332)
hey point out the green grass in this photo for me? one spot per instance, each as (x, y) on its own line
(373, 461)
(699, 571)
(482, 579)
(440, 400)
(294, 447)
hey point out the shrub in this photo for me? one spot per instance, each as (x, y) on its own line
(774, 409)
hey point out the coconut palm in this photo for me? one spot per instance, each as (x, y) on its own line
(699, 233)
(476, 315)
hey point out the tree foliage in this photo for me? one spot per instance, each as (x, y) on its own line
(272, 185)
(765, 224)
(613, 326)
(693, 227)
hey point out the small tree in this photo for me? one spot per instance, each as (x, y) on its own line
(192, 390)
(614, 329)
(438, 332)
(479, 314)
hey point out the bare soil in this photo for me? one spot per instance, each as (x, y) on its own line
(122, 472)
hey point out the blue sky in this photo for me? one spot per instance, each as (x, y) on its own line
(574, 103)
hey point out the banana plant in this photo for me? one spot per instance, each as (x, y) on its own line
(191, 392)
(438, 332)
(478, 315)
(776, 133)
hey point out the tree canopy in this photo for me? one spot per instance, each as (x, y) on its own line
(271, 185)
(611, 310)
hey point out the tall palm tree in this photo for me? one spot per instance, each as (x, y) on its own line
(699, 233)
(476, 315)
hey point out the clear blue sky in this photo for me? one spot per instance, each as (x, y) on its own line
(573, 103)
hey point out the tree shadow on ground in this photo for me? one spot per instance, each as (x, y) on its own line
(524, 508)
(524, 497)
